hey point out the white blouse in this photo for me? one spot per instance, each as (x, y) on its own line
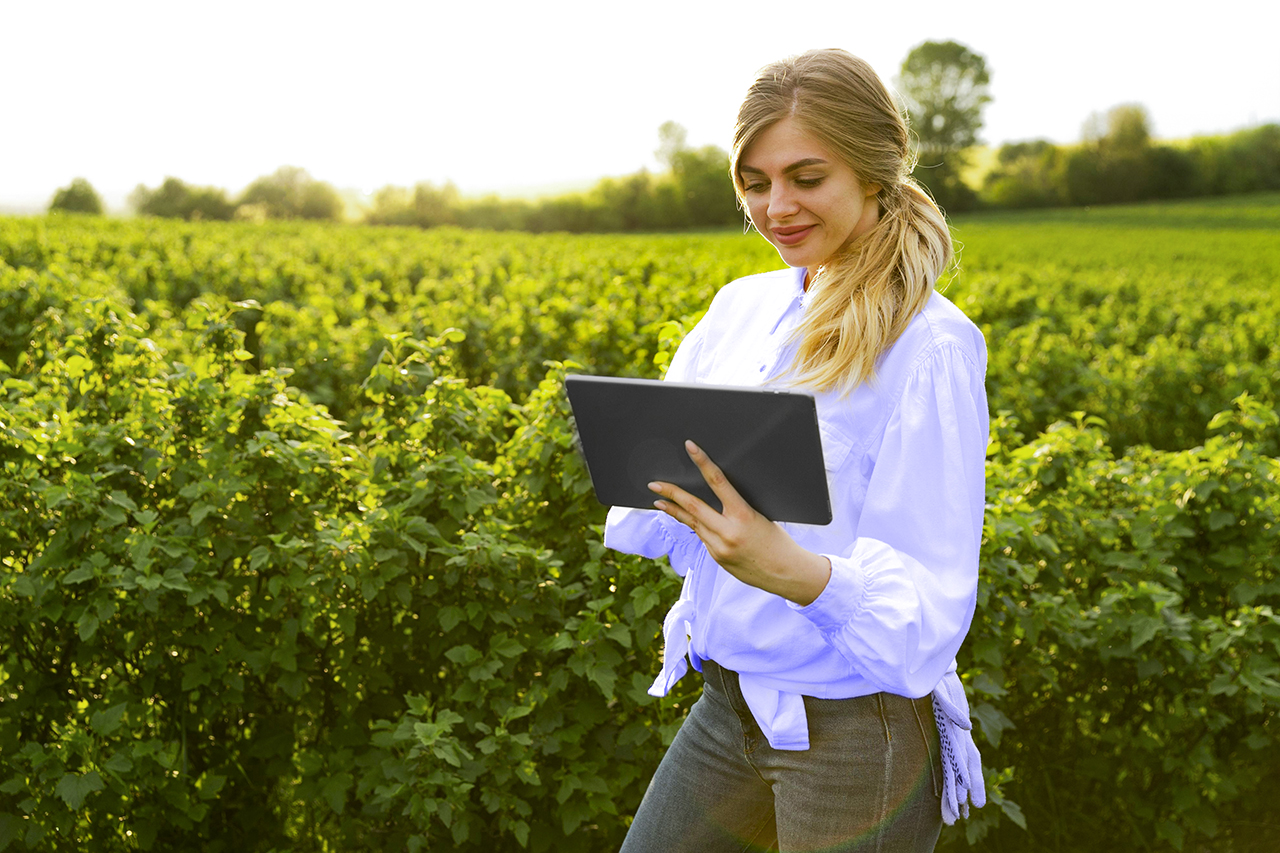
(905, 458)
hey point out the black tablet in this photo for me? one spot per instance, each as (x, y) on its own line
(632, 432)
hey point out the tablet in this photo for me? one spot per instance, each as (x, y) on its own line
(632, 432)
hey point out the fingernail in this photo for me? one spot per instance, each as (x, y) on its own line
(690, 446)
(653, 487)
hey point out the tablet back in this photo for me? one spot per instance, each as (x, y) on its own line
(632, 432)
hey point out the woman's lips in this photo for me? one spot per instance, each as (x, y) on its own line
(791, 236)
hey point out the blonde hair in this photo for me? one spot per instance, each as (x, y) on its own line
(862, 299)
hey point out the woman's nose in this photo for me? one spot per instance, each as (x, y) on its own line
(782, 204)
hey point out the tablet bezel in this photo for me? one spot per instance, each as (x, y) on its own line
(766, 440)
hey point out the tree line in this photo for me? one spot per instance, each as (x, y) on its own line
(943, 86)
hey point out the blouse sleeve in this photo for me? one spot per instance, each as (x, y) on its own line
(649, 532)
(902, 595)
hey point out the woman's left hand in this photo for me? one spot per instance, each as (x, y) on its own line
(742, 541)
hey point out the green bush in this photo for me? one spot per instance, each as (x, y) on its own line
(1123, 663)
(322, 571)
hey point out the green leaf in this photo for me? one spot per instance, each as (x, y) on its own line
(78, 366)
(1014, 812)
(508, 647)
(118, 764)
(1172, 833)
(210, 785)
(73, 788)
(1144, 628)
(87, 626)
(604, 676)
(1219, 519)
(10, 829)
(450, 616)
(463, 655)
(644, 599)
(113, 515)
(79, 575)
(992, 720)
(199, 512)
(335, 791)
(54, 495)
(106, 722)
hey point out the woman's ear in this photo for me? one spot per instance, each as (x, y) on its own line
(871, 189)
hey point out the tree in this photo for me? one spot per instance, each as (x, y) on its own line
(672, 139)
(175, 199)
(1028, 174)
(703, 190)
(291, 193)
(1115, 161)
(945, 86)
(78, 197)
(1124, 130)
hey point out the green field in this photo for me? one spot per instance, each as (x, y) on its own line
(296, 553)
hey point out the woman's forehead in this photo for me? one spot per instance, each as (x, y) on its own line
(781, 145)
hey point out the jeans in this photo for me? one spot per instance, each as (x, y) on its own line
(870, 780)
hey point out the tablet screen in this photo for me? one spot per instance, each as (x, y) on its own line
(632, 432)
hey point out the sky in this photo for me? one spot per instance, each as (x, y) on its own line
(528, 97)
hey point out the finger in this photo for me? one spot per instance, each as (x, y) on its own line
(684, 507)
(714, 476)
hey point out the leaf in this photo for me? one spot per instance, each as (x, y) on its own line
(73, 788)
(79, 575)
(113, 515)
(335, 791)
(10, 828)
(604, 676)
(106, 722)
(210, 785)
(118, 764)
(87, 626)
(1219, 519)
(78, 366)
(450, 616)
(199, 512)
(1014, 812)
(463, 655)
(644, 599)
(993, 722)
(508, 647)
(54, 495)
(1144, 628)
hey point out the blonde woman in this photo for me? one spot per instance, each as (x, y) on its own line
(831, 716)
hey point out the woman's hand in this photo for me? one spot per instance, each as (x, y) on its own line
(742, 541)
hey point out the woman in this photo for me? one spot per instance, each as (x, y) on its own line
(831, 716)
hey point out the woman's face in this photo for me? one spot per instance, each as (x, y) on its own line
(801, 197)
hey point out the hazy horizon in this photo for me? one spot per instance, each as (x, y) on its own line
(525, 102)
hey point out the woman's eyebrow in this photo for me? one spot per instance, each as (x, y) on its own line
(799, 164)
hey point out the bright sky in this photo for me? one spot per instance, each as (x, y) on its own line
(515, 96)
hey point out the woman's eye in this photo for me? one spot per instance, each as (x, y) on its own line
(808, 183)
(754, 187)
